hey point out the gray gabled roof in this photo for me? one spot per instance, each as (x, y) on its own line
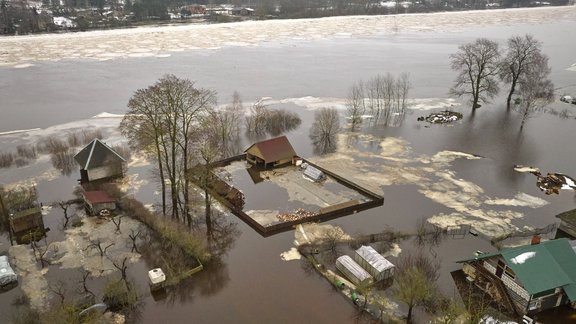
(96, 154)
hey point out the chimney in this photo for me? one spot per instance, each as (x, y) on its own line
(535, 239)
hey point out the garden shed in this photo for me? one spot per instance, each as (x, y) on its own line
(25, 221)
(97, 201)
(353, 271)
(271, 152)
(314, 174)
(376, 265)
(99, 161)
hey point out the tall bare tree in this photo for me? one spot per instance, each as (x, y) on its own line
(324, 129)
(160, 120)
(355, 105)
(523, 54)
(536, 90)
(477, 65)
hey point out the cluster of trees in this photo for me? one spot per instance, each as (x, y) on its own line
(383, 98)
(180, 127)
(481, 67)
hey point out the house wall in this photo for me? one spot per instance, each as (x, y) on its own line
(112, 170)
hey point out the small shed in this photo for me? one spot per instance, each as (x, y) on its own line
(271, 152)
(376, 265)
(314, 173)
(352, 270)
(567, 226)
(97, 201)
(24, 221)
(99, 161)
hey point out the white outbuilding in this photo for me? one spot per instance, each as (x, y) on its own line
(374, 263)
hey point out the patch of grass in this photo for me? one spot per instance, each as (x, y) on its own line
(77, 222)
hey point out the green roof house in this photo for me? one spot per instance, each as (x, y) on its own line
(527, 279)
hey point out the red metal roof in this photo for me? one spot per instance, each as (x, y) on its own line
(97, 197)
(275, 149)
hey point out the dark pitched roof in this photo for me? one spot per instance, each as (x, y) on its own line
(97, 197)
(274, 149)
(96, 154)
(541, 267)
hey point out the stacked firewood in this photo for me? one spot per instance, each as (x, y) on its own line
(296, 215)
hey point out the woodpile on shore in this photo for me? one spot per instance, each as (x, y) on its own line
(296, 215)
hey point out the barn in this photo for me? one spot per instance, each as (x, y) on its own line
(270, 153)
(99, 161)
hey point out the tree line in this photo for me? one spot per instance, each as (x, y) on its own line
(481, 66)
(382, 98)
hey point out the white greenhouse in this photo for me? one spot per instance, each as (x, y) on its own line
(374, 263)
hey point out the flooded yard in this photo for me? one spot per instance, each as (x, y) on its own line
(461, 173)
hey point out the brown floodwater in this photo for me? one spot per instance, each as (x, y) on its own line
(251, 283)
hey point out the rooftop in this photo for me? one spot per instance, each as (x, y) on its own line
(96, 154)
(97, 197)
(274, 149)
(541, 267)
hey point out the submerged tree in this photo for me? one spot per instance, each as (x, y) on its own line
(160, 121)
(324, 129)
(523, 55)
(477, 67)
(536, 90)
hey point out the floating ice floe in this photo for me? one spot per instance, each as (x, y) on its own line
(525, 169)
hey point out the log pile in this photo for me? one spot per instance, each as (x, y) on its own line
(296, 215)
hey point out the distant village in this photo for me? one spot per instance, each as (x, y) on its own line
(18, 17)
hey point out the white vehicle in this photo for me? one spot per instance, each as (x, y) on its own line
(7, 275)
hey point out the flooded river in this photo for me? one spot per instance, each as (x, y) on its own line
(252, 284)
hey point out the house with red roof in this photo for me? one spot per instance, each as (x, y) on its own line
(98, 201)
(270, 153)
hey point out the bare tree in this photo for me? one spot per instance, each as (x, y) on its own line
(536, 89)
(64, 205)
(226, 123)
(523, 54)
(477, 67)
(133, 237)
(256, 120)
(98, 245)
(123, 268)
(85, 276)
(355, 105)
(324, 129)
(160, 120)
(59, 289)
(117, 221)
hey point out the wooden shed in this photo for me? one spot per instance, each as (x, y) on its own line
(271, 152)
(97, 201)
(99, 161)
(376, 265)
(24, 221)
(353, 271)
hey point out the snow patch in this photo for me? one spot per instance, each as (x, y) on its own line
(520, 199)
(290, 255)
(520, 259)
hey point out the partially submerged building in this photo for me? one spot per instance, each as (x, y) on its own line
(527, 279)
(96, 202)
(270, 153)
(99, 161)
(27, 221)
(353, 271)
(376, 265)
(567, 226)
